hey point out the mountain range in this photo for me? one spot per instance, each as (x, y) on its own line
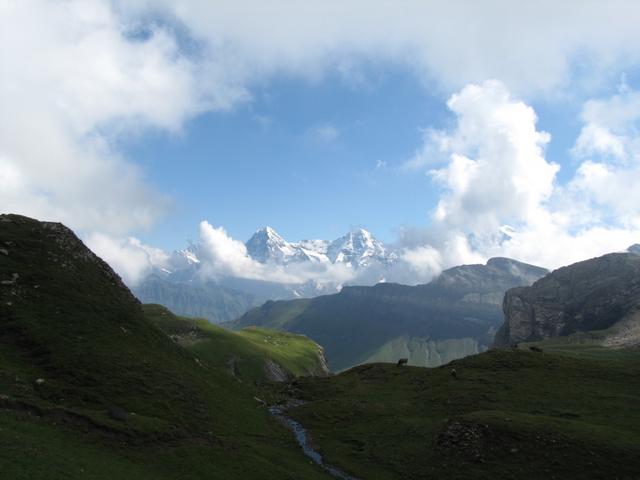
(180, 285)
(356, 249)
(455, 315)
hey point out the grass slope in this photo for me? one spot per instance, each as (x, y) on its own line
(585, 345)
(508, 414)
(245, 352)
(90, 389)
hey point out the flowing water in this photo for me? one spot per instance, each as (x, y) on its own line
(303, 440)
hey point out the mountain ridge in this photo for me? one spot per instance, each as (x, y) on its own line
(600, 294)
(463, 304)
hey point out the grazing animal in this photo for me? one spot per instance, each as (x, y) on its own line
(403, 361)
(535, 349)
(453, 373)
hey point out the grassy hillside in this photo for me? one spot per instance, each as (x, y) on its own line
(248, 354)
(585, 345)
(506, 414)
(90, 389)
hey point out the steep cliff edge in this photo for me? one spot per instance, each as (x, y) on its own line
(601, 294)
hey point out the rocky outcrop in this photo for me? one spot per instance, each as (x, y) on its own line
(601, 294)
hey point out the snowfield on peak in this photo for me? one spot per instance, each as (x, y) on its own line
(356, 249)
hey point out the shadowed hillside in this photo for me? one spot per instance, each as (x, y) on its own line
(90, 389)
(500, 414)
(455, 315)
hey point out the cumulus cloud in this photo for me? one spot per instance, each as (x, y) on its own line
(497, 172)
(78, 78)
(609, 148)
(85, 73)
(132, 259)
(500, 195)
(452, 42)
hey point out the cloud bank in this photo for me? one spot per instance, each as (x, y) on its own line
(86, 74)
(531, 47)
(500, 195)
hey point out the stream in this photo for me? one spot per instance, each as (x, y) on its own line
(302, 438)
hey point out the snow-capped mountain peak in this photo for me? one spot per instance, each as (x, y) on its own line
(267, 246)
(358, 248)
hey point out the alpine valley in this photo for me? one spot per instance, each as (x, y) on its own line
(95, 385)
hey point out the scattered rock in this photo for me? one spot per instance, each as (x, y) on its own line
(14, 277)
(466, 439)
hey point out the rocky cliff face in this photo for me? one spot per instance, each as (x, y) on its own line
(601, 294)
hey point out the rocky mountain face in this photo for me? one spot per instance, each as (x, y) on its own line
(601, 294)
(455, 315)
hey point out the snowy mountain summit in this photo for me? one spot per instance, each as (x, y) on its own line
(267, 246)
(359, 248)
(356, 249)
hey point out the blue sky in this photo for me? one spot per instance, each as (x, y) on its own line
(416, 121)
(267, 162)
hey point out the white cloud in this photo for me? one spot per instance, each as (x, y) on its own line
(609, 146)
(452, 42)
(132, 259)
(76, 79)
(611, 127)
(497, 172)
(84, 73)
(497, 175)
